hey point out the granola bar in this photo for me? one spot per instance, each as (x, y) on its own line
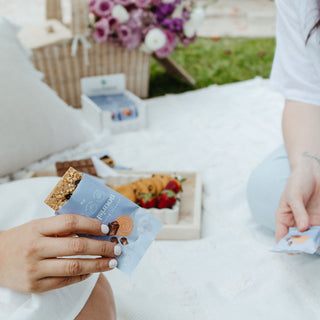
(64, 189)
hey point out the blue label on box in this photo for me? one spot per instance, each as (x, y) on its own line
(135, 228)
(121, 107)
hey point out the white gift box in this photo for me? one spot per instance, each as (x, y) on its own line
(110, 86)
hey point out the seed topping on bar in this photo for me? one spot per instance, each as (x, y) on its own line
(64, 189)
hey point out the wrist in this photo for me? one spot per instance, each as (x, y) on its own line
(306, 160)
(2, 274)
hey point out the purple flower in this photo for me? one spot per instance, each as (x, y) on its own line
(186, 15)
(164, 10)
(166, 23)
(103, 8)
(175, 25)
(169, 46)
(101, 31)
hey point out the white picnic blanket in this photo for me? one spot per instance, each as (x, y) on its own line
(231, 273)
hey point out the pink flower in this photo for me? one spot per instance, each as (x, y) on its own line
(185, 41)
(169, 46)
(124, 33)
(113, 23)
(101, 31)
(134, 41)
(124, 2)
(137, 16)
(143, 3)
(102, 8)
(92, 6)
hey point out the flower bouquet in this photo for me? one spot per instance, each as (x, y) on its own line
(155, 26)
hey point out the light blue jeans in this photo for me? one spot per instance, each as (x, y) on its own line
(266, 185)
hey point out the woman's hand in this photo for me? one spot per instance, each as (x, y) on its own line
(28, 253)
(300, 203)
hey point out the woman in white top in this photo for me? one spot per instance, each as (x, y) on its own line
(288, 181)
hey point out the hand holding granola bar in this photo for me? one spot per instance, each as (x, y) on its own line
(130, 226)
(29, 253)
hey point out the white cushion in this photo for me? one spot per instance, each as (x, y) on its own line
(34, 121)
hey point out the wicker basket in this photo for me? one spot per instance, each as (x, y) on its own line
(63, 71)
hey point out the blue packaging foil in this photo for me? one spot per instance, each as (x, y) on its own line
(300, 242)
(92, 198)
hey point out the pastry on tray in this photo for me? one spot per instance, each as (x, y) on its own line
(159, 191)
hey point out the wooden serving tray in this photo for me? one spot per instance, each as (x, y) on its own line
(189, 224)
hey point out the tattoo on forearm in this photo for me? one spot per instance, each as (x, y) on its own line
(307, 155)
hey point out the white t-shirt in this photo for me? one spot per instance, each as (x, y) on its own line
(60, 304)
(296, 67)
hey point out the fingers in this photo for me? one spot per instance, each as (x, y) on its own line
(58, 282)
(60, 247)
(281, 231)
(74, 267)
(290, 214)
(300, 214)
(71, 223)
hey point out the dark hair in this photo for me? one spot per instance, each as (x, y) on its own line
(316, 26)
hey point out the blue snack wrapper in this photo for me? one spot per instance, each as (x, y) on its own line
(300, 242)
(135, 229)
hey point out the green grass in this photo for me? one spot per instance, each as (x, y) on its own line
(215, 62)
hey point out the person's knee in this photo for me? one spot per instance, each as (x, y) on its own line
(101, 304)
(264, 190)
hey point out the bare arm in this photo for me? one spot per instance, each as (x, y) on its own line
(300, 202)
(301, 131)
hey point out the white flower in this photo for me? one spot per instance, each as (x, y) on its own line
(178, 11)
(167, 1)
(155, 39)
(189, 29)
(119, 12)
(197, 17)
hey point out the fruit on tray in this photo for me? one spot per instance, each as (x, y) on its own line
(147, 200)
(154, 185)
(159, 191)
(167, 199)
(175, 185)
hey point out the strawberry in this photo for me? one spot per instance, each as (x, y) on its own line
(167, 199)
(175, 185)
(147, 200)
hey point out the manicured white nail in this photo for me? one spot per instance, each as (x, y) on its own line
(104, 229)
(117, 250)
(113, 263)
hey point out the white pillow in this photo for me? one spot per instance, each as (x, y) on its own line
(34, 121)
